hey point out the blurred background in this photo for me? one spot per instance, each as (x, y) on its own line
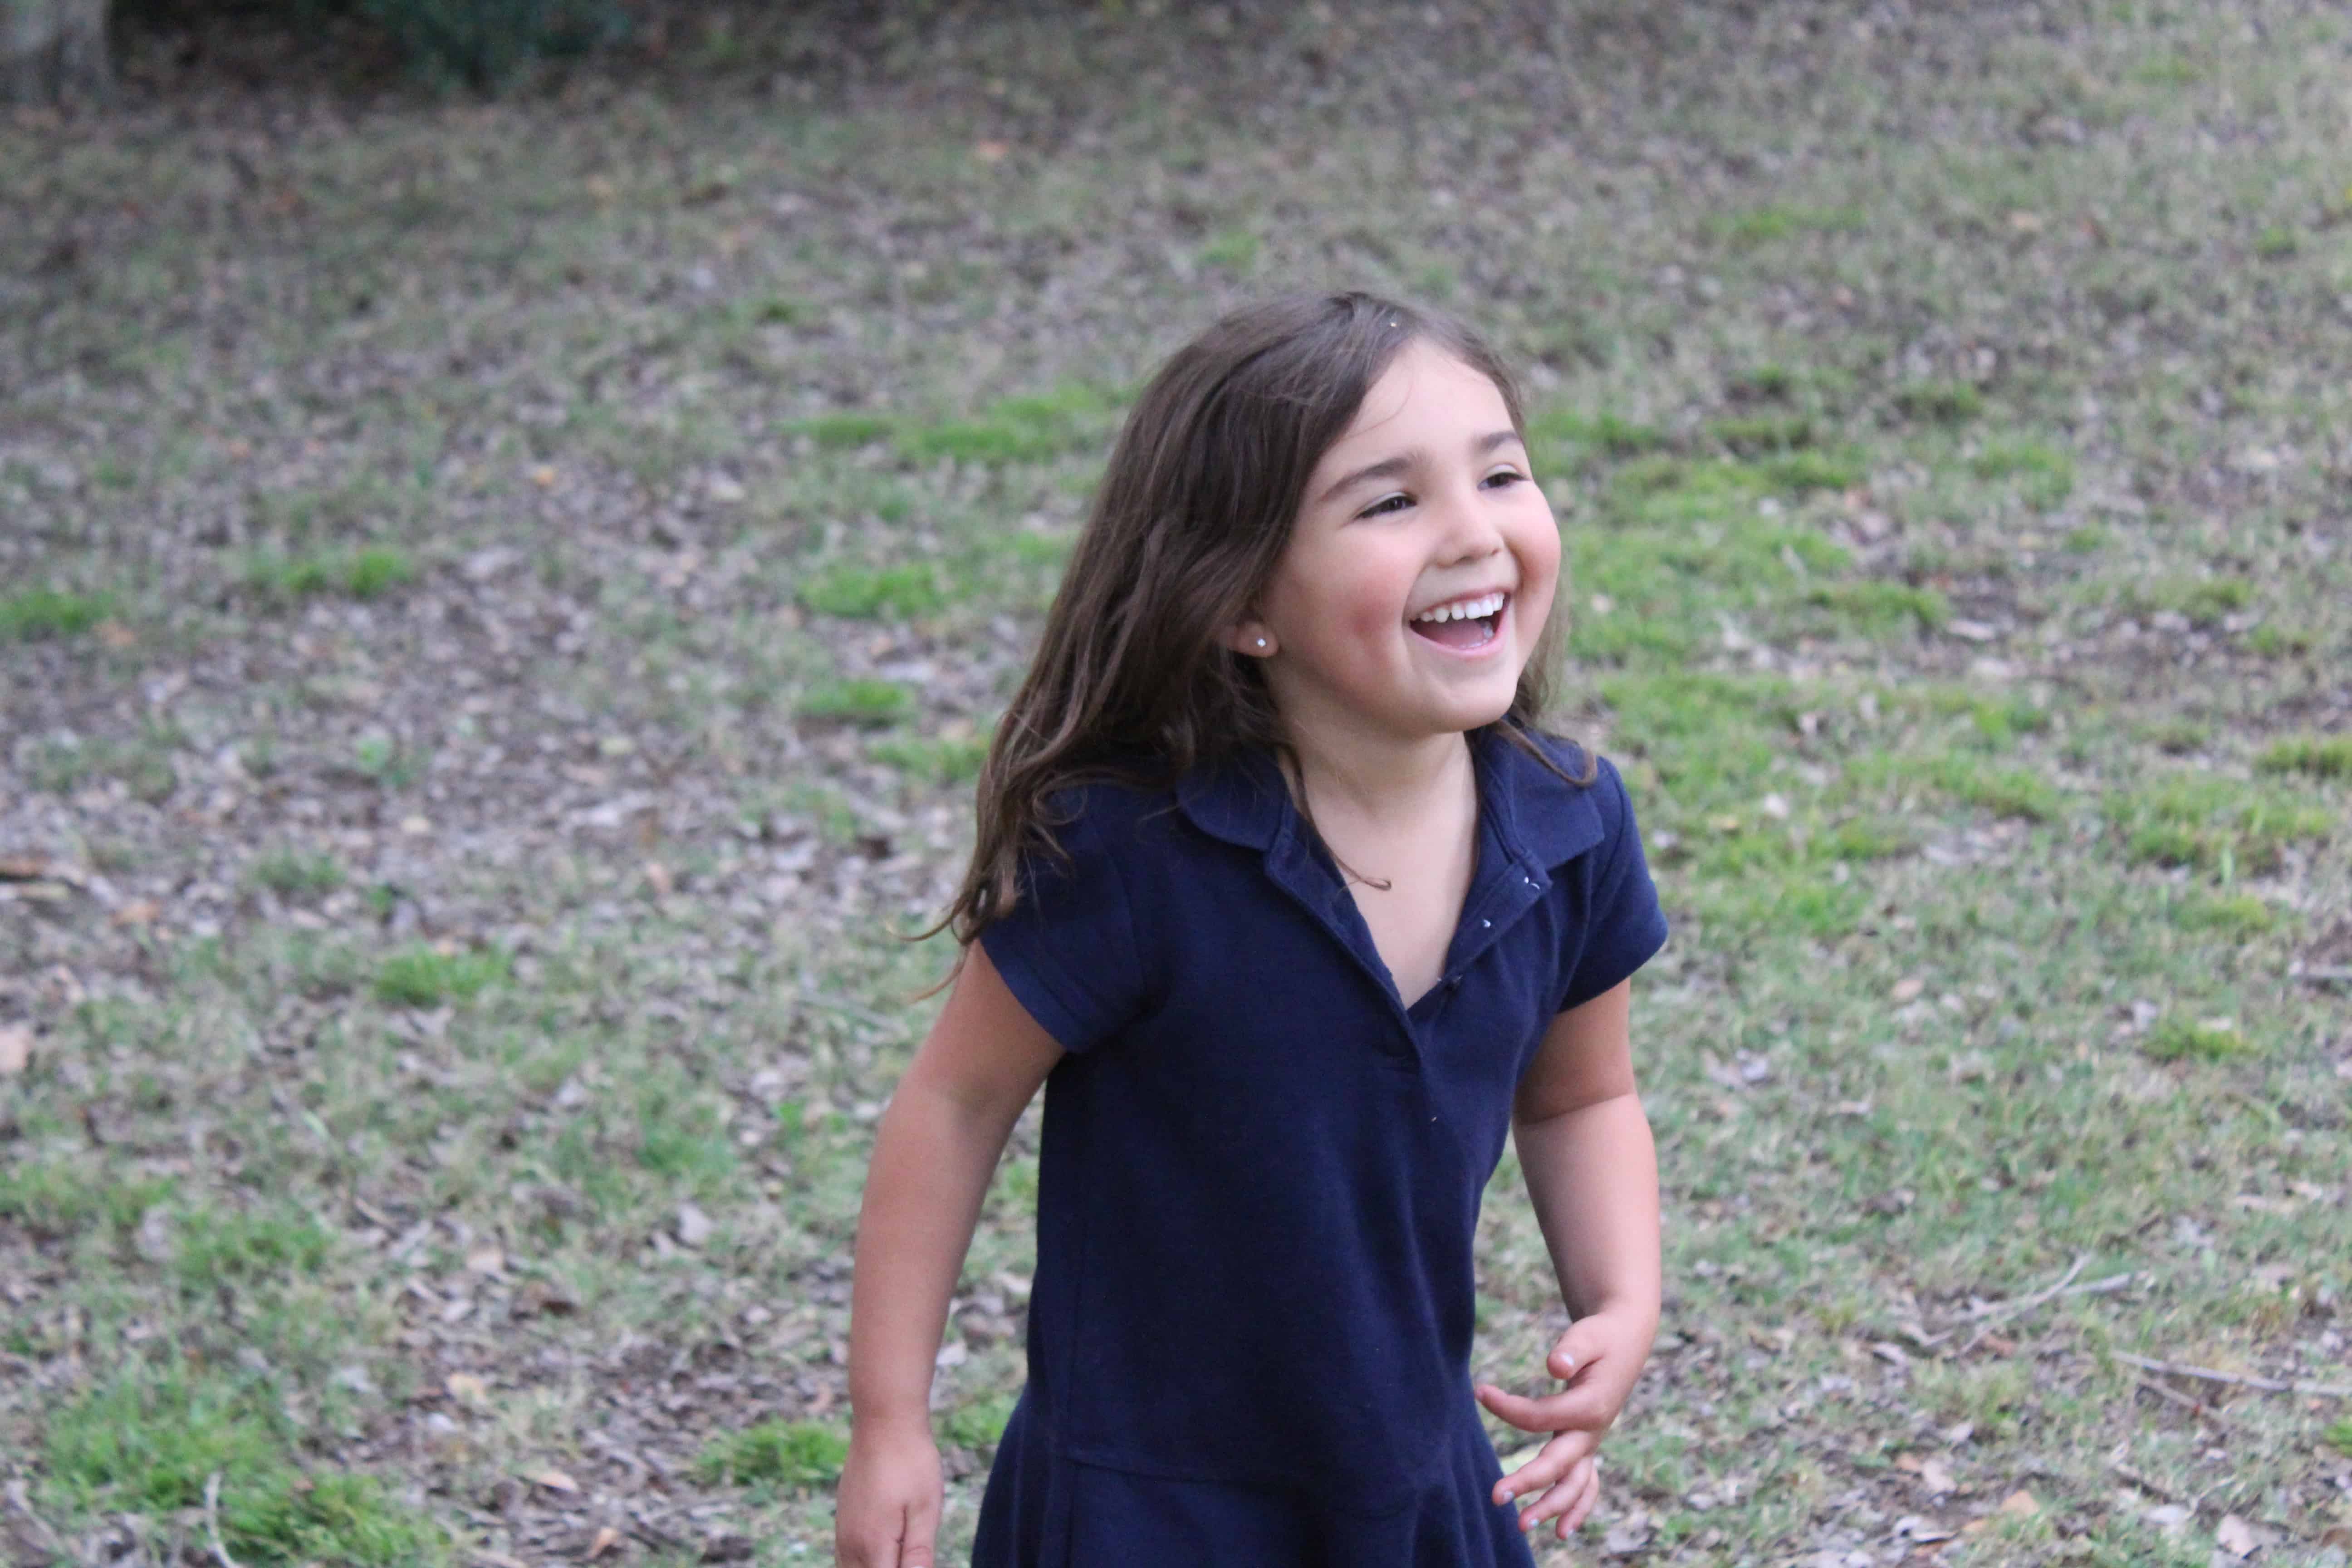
(517, 519)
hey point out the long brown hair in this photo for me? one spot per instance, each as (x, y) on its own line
(1194, 511)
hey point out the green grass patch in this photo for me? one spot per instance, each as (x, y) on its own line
(419, 976)
(2044, 474)
(59, 1198)
(1562, 441)
(2321, 756)
(1761, 435)
(1234, 249)
(933, 761)
(292, 874)
(2234, 916)
(2203, 600)
(979, 1425)
(1032, 430)
(365, 573)
(1940, 402)
(2216, 824)
(1764, 225)
(147, 1441)
(781, 1453)
(2274, 640)
(32, 612)
(2004, 791)
(864, 701)
(866, 593)
(836, 432)
(218, 1247)
(2176, 1038)
(1877, 605)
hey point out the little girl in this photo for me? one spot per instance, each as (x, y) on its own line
(1282, 895)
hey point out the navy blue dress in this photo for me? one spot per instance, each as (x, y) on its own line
(1249, 1332)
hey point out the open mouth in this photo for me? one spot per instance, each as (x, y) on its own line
(1464, 625)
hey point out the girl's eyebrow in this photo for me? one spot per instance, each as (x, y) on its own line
(1404, 461)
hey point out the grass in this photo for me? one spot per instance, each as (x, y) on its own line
(293, 874)
(422, 977)
(2321, 756)
(2217, 825)
(584, 474)
(37, 611)
(155, 1442)
(362, 573)
(858, 701)
(785, 1453)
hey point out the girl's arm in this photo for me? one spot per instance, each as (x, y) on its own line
(1592, 1172)
(933, 1155)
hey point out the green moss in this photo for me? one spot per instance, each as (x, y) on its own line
(785, 1453)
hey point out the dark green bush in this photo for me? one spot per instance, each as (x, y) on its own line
(483, 42)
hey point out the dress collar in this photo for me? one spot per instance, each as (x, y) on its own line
(1241, 799)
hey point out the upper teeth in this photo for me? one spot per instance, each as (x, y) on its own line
(1463, 609)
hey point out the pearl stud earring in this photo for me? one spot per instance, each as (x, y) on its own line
(1261, 642)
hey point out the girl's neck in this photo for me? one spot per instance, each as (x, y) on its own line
(1377, 777)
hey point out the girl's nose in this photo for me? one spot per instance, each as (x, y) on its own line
(1470, 534)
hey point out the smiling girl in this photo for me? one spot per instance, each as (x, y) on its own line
(1282, 893)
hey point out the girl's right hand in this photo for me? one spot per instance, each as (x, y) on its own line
(886, 1509)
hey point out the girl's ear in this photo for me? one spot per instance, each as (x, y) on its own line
(1250, 638)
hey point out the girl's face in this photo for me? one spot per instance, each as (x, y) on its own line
(1420, 568)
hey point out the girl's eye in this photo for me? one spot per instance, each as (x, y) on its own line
(1385, 504)
(1505, 477)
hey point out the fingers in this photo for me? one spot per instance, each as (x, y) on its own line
(1551, 1464)
(1579, 1407)
(909, 1540)
(1570, 1502)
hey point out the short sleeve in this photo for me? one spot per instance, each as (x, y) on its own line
(1068, 949)
(1625, 926)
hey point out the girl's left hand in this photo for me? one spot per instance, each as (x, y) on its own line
(1599, 1358)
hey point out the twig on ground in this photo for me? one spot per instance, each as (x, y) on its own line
(2152, 1489)
(2174, 1394)
(1984, 1315)
(212, 1521)
(2239, 1380)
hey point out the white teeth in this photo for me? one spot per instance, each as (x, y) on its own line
(1463, 609)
